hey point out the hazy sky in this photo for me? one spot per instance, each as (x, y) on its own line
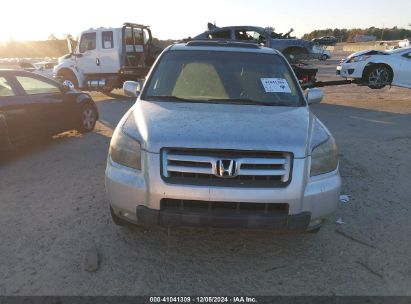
(37, 19)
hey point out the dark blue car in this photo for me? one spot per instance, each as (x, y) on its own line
(32, 105)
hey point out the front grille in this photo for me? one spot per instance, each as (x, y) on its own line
(213, 168)
(223, 208)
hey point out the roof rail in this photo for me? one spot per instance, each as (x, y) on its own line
(223, 43)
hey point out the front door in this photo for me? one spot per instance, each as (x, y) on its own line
(404, 76)
(49, 107)
(16, 122)
(109, 52)
(88, 58)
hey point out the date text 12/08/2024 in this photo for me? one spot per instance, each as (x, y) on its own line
(203, 300)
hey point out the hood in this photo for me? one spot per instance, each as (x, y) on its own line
(368, 52)
(220, 126)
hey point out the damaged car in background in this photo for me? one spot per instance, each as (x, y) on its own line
(325, 40)
(292, 48)
(44, 68)
(377, 69)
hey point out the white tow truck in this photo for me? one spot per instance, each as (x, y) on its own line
(106, 57)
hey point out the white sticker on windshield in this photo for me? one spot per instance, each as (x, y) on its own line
(275, 85)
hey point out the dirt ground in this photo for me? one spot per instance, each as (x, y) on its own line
(54, 209)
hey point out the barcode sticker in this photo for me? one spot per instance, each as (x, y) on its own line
(275, 85)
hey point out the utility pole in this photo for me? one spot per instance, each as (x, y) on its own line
(382, 34)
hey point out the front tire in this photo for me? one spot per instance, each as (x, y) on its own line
(88, 118)
(378, 76)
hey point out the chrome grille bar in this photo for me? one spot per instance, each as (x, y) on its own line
(259, 172)
(186, 169)
(252, 168)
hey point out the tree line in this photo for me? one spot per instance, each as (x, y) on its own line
(53, 47)
(347, 35)
(33, 49)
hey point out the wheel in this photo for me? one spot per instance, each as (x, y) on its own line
(87, 119)
(324, 57)
(378, 76)
(295, 54)
(69, 79)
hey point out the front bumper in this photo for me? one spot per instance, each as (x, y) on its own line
(351, 70)
(136, 195)
(166, 218)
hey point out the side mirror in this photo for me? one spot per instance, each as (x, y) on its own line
(132, 88)
(314, 96)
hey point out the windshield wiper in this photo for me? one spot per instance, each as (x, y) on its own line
(167, 97)
(245, 101)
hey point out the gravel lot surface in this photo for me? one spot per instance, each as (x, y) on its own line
(54, 215)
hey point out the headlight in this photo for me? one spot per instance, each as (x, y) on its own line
(358, 58)
(125, 150)
(324, 158)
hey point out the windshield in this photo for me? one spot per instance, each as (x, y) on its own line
(214, 76)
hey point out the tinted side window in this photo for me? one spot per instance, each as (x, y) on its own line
(5, 88)
(87, 42)
(138, 37)
(107, 40)
(34, 86)
(226, 34)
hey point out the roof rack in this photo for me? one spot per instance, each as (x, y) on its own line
(135, 25)
(223, 43)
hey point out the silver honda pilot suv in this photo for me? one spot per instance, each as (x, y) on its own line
(221, 135)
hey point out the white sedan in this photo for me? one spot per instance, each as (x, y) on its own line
(44, 68)
(376, 69)
(320, 52)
